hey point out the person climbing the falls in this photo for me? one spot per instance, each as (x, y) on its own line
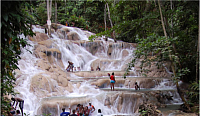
(91, 108)
(137, 86)
(21, 103)
(70, 66)
(65, 113)
(92, 69)
(112, 81)
(98, 68)
(66, 23)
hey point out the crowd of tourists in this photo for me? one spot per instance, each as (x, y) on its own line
(81, 111)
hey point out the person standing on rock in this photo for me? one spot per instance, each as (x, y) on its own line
(112, 81)
(92, 69)
(98, 68)
(137, 86)
(91, 108)
(21, 103)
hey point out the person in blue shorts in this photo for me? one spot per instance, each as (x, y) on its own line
(112, 81)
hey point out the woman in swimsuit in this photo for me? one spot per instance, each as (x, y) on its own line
(112, 81)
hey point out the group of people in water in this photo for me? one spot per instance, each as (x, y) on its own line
(97, 69)
(71, 67)
(112, 77)
(112, 82)
(81, 111)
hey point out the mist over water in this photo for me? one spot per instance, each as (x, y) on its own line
(81, 57)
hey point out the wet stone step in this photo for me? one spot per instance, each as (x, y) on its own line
(143, 90)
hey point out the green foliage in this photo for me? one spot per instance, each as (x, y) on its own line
(194, 93)
(143, 112)
(78, 21)
(153, 49)
(86, 14)
(41, 12)
(92, 37)
(157, 50)
(14, 22)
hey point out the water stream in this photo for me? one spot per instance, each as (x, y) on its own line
(83, 92)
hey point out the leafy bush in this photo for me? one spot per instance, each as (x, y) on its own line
(193, 95)
(78, 22)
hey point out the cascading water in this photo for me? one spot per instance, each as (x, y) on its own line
(27, 67)
(57, 91)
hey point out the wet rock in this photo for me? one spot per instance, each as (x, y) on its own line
(78, 85)
(73, 36)
(147, 83)
(48, 43)
(149, 110)
(44, 65)
(101, 82)
(39, 37)
(41, 85)
(151, 71)
(62, 81)
(47, 109)
(99, 73)
(125, 53)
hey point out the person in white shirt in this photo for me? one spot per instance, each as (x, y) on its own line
(91, 108)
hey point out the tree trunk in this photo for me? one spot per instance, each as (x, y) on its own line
(113, 33)
(55, 12)
(197, 60)
(49, 16)
(31, 14)
(105, 16)
(172, 65)
(172, 33)
(148, 6)
(65, 6)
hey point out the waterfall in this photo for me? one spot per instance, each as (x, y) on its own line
(46, 86)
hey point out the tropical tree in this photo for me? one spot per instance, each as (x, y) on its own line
(177, 45)
(166, 31)
(14, 22)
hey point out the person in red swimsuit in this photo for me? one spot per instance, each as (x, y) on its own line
(112, 81)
